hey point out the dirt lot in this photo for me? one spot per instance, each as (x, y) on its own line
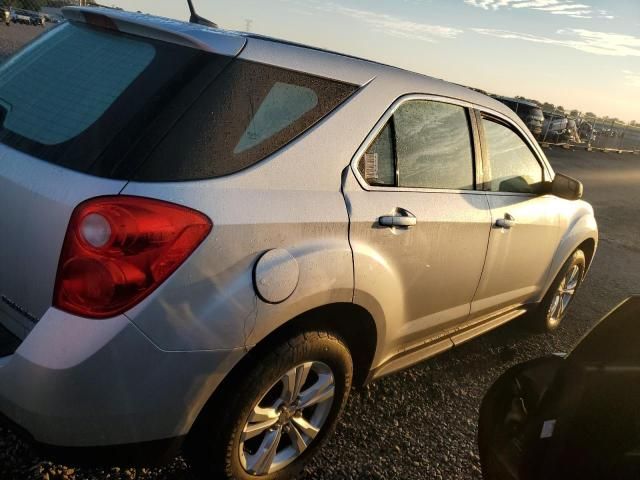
(421, 423)
(15, 36)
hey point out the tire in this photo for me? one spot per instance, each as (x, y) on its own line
(551, 311)
(222, 444)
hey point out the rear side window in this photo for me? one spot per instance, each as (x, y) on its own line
(428, 143)
(249, 112)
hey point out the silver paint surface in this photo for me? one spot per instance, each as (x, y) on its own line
(145, 375)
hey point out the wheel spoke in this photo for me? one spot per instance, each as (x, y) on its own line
(306, 428)
(294, 380)
(560, 306)
(572, 280)
(553, 309)
(262, 414)
(267, 452)
(565, 302)
(261, 420)
(323, 389)
(297, 440)
(262, 449)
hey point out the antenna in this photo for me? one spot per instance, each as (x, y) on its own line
(195, 18)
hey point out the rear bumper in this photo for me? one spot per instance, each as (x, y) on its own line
(80, 383)
(154, 453)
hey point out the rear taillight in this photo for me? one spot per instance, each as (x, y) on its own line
(118, 249)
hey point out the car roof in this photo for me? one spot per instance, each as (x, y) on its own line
(282, 53)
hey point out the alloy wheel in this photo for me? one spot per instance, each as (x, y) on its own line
(285, 421)
(563, 296)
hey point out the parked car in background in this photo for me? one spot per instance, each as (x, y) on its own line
(530, 113)
(559, 128)
(569, 416)
(210, 236)
(37, 19)
(51, 18)
(6, 15)
(20, 16)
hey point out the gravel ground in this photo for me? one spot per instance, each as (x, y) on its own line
(421, 423)
(15, 36)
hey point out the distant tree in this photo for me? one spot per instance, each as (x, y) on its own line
(560, 108)
(546, 106)
(590, 114)
(27, 4)
(633, 123)
(574, 113)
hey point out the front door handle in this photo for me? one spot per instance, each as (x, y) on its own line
(507, 222)
(398, 221)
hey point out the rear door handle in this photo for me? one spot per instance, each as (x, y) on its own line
(398, 221)
(507, 222)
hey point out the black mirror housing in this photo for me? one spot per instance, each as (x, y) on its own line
(566, 187)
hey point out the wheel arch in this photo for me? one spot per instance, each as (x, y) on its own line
(359, 333)
(588, 246)
(583, 235)
(350, 322)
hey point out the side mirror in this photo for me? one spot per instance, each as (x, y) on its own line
(566, 187)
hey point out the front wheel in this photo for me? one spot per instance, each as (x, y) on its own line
(279, 413)
(553, 307)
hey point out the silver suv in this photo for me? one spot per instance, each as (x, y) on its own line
(209, 237)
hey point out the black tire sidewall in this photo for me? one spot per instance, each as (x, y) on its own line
(577, 258)
(220, 456)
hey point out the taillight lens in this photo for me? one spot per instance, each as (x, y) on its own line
(118, 249)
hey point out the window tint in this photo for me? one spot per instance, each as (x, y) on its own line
(514, 168)
(377, 165)
(433, 144)
(249, 112)
(283, 105)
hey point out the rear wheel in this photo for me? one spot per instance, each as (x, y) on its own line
(553, 307)
(279, 413)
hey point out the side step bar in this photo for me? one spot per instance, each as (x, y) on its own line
(440, 344)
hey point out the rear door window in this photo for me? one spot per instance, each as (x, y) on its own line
(433, 146)
(377, 165)
(428, 143)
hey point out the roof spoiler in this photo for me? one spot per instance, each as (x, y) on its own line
(158, 28)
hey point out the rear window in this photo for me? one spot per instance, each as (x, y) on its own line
(249, 112)
(95, 100)
(62, 84)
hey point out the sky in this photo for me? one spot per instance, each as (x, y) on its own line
(581, 54)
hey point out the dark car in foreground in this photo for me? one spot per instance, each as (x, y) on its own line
(573, 416)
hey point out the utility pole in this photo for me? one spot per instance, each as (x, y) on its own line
(248, 23)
